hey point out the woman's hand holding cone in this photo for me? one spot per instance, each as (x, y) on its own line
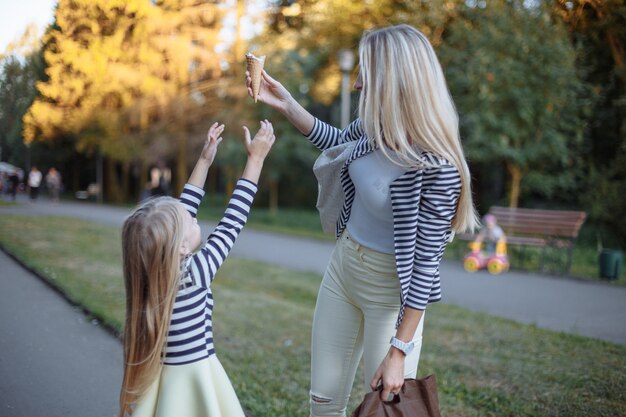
(271, 92)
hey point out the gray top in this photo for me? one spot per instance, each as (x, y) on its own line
(371, 220)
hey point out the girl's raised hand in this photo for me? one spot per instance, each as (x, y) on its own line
(214, 138)
(271, 91)
(259, 147)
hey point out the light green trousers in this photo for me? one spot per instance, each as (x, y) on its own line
(355, 316)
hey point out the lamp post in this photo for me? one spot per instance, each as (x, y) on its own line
(346, 62)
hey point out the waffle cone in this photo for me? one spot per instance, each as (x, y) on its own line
(255, 67)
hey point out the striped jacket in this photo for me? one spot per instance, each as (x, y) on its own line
(424, 203)
(190, 336)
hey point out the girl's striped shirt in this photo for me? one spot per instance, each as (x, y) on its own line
(190, 336)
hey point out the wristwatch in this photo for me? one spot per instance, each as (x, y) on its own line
(404, 347)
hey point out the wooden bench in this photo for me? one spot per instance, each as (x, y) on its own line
(551, 230)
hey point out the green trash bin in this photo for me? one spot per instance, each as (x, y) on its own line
(611, 263)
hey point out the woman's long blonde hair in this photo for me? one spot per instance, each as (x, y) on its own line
(405, 105)
(151, 240)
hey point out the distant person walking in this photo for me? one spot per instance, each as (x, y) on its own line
(170, 366)
(53, 183)
(34, 182)
(407, 189)
(160, 180)
(14, 184)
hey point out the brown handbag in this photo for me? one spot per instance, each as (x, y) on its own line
(417, 398)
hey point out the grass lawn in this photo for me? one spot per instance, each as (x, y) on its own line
(299, 222)
(6, 203)
(485, 366)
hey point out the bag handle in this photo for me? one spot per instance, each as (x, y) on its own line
(396, 397)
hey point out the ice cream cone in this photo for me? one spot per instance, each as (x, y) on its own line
(255, 67)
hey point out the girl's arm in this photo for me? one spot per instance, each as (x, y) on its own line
(193, 191)
(257, 149)
(218, 245)
(199, 173)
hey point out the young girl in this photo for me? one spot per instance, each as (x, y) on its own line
(170, 364)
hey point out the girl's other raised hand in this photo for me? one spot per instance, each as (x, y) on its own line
(214, 138)
(260, 145)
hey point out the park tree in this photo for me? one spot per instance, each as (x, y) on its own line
(512, 71)
(317, 30)
(21, 68)
(124, 74)
(187, 34)
(302, 40)
(598, 29)
(92, 77)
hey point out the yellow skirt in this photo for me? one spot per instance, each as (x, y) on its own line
(199, 389)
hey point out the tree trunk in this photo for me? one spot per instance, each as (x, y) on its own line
(613, 40)
(125, 181)
(111, 183)
(212, 180)
(230, 183)
(273, 197)
(75, 176)
(515, 183)
(181, 161)
(142, 185)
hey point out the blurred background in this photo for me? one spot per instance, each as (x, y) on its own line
(117, 95)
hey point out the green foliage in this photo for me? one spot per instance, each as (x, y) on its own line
(90, 73)
(18, 76)
(605, 200)
(540, 88)
(316, 30)
(512, 72)
(114, 67)
(303, 39)
(598, 29)
(124, 77)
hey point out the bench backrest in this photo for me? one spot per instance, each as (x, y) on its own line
(535, 222)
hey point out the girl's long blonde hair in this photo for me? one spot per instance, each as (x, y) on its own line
(151, 240)
(405, 105)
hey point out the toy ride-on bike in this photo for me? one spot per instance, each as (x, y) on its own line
(495, 262)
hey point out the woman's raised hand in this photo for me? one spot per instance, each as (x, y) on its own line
(271, 92)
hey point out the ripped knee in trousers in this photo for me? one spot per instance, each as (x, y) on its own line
(319, 399)
(327, 406)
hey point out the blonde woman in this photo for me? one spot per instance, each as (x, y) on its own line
(170, 364)
(407, 188)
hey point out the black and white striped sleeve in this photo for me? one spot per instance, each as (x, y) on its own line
(191, 198)
(325, 136)
(437, 208)
(207, 261)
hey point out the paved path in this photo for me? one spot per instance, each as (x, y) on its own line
(44, 337)
(53, 361)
